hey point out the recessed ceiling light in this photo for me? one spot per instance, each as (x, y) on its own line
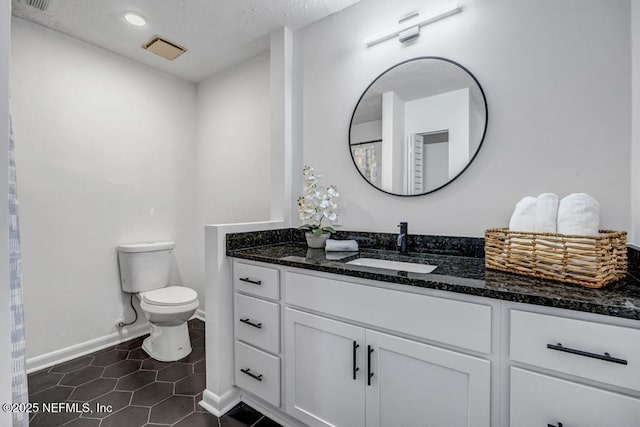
(135, 19)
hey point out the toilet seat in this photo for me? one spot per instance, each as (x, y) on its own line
(170, 296)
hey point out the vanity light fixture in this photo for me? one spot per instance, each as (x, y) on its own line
(408, 27)
(135, 19)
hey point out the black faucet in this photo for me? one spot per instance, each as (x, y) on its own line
(402, 238)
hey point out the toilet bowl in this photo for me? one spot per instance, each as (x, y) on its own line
(167, 310)
(144, 271)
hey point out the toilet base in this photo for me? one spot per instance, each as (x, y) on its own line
(168, 343)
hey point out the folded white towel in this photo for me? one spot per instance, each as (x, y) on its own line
(546, 213)
(579, 213)
(336, 256)
(524, 215)
(341, 245)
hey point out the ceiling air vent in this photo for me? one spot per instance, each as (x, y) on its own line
(38, 4)
(164, 48)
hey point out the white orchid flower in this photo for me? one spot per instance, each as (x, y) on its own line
(317, 203)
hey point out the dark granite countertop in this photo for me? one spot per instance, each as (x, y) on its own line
(460, 274)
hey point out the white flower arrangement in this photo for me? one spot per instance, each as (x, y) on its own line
(317, 204)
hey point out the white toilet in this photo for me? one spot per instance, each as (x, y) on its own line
(144, 270)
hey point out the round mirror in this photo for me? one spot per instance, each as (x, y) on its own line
(418, 126)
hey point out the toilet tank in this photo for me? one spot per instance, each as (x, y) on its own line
(144, 266)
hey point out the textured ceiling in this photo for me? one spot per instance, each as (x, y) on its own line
(217, 33)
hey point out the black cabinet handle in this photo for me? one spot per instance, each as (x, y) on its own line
(369, 373)
(551, 425)
(606, 357)
(252, 375)
(255, 282)
(250, 323)
(355, 368)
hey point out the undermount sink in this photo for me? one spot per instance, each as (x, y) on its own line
(394, 265)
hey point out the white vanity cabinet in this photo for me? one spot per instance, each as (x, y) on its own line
(550, 358)
(343, 374)
(257, 330)
(543, 400)
(331, 350)
(325, 369)
(415, 384)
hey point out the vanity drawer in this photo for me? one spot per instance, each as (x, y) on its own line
(256, 280)
(559, 401)
(257, 322)
(535, 338)
(257, 372)
(461, 324)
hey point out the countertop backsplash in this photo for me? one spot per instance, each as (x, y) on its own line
(472, 247)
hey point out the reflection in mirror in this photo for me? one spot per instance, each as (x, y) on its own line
(418, 126)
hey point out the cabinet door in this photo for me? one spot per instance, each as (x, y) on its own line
(320, 366)
(541, 400)
(415, 384)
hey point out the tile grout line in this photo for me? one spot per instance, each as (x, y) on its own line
(191, 364)
(256, 423)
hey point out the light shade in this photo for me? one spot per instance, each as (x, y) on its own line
(135, 19)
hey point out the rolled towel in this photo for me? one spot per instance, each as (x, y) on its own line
(546, 213)
(341, 246)
(524, 215)
(579, 213)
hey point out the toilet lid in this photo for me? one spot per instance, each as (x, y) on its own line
(171, 295)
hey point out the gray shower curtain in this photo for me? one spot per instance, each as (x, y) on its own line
(18, 347)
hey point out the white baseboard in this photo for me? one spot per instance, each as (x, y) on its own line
(276, 415)
(220, 405)
(200, 314)
(64, 354)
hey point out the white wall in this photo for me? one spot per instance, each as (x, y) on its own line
(5, 300)
(105, 154)
(233, 148)
(367, 131)
(392, 159)
(557, 80)
(435, 167)
(283, 152)
(447, 111)
(635, 117)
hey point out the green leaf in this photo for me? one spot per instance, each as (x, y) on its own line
(317, 232)
(330, 229)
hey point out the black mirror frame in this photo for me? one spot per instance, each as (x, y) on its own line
(484, 131)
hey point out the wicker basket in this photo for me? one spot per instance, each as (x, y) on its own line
(592, 261)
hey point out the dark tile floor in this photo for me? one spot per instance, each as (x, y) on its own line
(121, 386)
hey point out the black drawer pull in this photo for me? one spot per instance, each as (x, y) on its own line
(551, 425)
(252, 375)
(250, 323)
(355, 368)
(606, 357)
(369, 373)
(255, 282)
